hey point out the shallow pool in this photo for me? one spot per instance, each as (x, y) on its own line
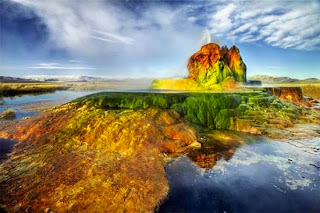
(264, 176)
(6, 147)
(18, 102)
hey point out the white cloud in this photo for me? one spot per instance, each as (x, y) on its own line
(111, 36)
(103, 39)
(57, 66)
(284, 24)
(221, 20)
(75, 61)
(115, 37)
(162, 37)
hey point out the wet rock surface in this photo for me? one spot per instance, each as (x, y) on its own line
(106, 152)
(74, 155)
(8, 114)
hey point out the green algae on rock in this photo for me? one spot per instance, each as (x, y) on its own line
(87, 159)
(106, 152)
(212, 65)
(211, 68)
(242, 111)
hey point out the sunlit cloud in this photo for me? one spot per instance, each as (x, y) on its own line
(150, 37)
(57, 66)
(284, 24)
(75, 61)
(103, 39)
(115, 37)
(108, 34)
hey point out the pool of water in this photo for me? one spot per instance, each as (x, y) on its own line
(263, 176)
(17, 102)
(62, 94)
(6, 147)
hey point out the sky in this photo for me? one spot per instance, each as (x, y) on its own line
(155, 38)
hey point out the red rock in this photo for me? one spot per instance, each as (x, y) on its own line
(212, 64)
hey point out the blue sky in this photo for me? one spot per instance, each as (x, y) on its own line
(132, 39)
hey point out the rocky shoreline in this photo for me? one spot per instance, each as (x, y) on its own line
(108, 150)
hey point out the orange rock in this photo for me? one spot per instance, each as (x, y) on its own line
(236, 64)
(180, 132)
(209, 68)
(208, 55)
(212, 65)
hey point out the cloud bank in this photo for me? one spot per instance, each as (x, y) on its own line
(57, 66)
(113, 36)
(284, 24)
(155, 38)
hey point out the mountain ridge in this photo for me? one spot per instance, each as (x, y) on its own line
(281, 79)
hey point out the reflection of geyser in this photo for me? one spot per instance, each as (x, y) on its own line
(215, 147)
(209, 159)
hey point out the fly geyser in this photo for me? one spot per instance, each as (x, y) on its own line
(211, 68)
(213, 65)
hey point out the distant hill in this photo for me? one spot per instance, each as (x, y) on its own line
(311, 79)
(7, 79)
(65, 78)
(283, 79)
(75, 78)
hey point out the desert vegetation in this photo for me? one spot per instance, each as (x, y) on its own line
(12, 89)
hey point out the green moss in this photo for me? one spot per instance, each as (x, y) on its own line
(203, 108)
(222, 119)
(242, 109)
(230, 101)
(277, 104)
(239, 70)
(292, 111)
(208, 110)
(260, 100)
(131, 100)
(213, 75)
(177, 107)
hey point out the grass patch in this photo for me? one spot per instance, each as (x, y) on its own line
(12, 89)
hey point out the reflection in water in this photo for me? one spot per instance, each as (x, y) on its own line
(209, 159)
(217, 145)
(265, 176)
(6, 147)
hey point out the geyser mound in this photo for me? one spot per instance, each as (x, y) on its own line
(211, 68)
